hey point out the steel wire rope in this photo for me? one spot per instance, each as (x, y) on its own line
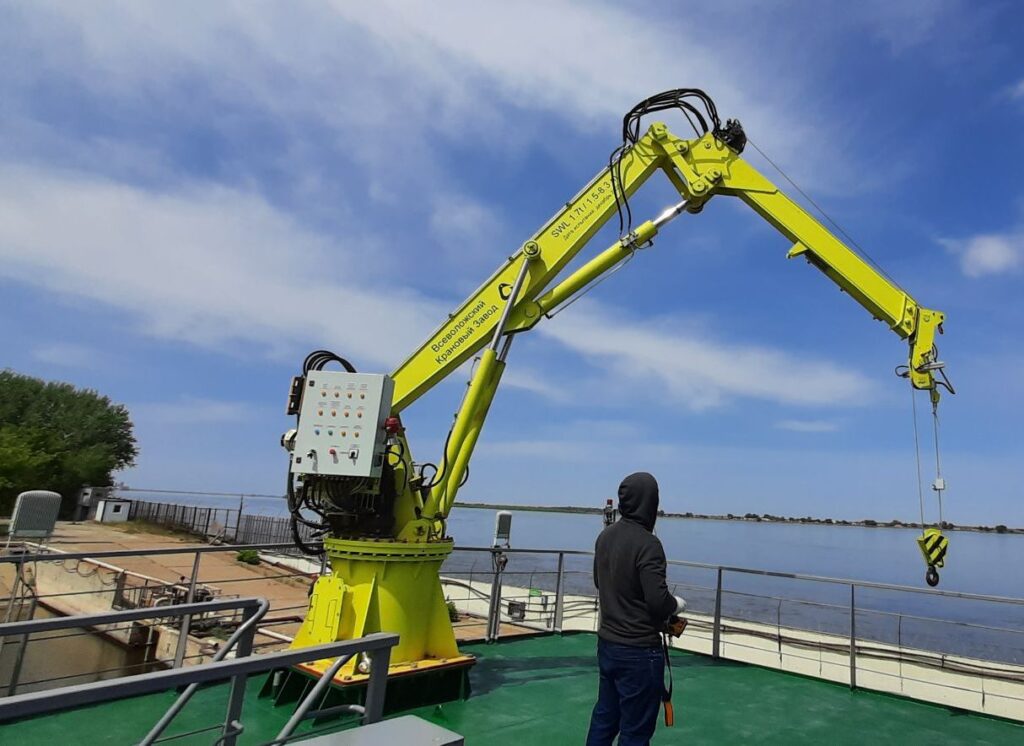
(938, 464)
(917, 455)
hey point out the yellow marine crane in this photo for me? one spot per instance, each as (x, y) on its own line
(382, 516)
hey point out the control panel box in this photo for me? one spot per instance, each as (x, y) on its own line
(341, 424)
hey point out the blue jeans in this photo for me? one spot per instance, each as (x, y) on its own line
(629, 695)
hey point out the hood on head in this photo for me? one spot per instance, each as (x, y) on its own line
(638, 499)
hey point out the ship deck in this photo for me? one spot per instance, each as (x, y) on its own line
(541, 690)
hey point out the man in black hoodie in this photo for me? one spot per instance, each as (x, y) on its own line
(629, 572)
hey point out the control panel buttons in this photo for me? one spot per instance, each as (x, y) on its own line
(343, 423)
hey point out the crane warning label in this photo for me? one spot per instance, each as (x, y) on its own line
(462, 331)
(581, 211)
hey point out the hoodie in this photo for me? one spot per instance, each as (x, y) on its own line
(629, 569)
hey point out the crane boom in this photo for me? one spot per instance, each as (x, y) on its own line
(699, 169)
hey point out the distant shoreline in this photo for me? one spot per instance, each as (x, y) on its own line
(748, 518)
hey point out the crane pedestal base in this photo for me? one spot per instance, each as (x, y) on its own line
(383, 586)
(407, 689)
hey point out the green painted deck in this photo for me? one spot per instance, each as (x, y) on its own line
(540, 690)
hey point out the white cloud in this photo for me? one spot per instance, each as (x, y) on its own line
(1017, 91)
(68, 354)
(192, 411)
(386, 77)
(386, 82)
(526, 379)
(988, 254)
(208, 265)
(696, 370)
(808, 426)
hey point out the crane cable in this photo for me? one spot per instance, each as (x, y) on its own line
(938, 463)
(938, 460)
(917, 455)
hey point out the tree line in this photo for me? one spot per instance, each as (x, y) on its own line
(54, 436)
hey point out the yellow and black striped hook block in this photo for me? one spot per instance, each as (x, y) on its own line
(933, 546)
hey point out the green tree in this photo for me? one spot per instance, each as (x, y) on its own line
(54, 436)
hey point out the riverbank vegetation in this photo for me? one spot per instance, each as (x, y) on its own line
(751, 517)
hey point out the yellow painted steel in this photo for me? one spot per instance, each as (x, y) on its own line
(933, 546)
(383, 586)
(527, 314)
(709, 168)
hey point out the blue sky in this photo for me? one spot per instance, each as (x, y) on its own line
(193, 196)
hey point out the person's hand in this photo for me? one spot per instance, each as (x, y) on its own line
(675, 626)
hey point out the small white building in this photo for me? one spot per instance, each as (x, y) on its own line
(112, 510)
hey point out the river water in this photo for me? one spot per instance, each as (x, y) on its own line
(986, 563)
(977, 563)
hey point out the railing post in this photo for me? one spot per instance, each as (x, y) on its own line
(374, 705)
(238, 523)
(716, 627)
(15, 589)
(559, 593)
(853, 636)
(16, 672)
(186, 621)
(233, 713)
(494, 611)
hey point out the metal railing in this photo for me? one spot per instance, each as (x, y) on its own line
(116, 593)
(552, 590)
(35, 703)
(227, 524)
(852, 617)
(377, 647)
(192, 519)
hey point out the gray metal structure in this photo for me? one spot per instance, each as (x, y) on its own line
(377, 647)
(407, 729)
(341, 424)
(34, 516)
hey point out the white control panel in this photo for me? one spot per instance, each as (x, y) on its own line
(341, 424)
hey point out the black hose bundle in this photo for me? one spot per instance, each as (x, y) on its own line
(700, 112)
